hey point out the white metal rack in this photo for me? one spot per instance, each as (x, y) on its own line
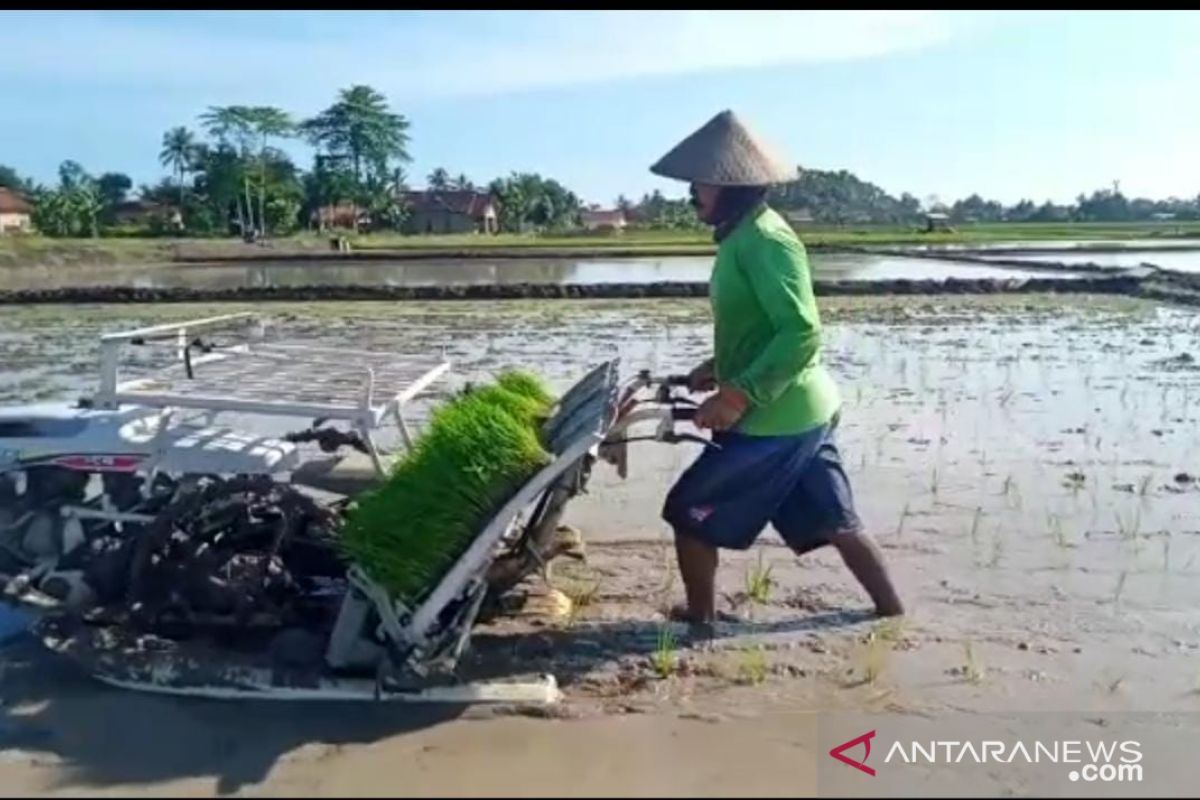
(364, 388)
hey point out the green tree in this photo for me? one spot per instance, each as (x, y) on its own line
(267, 122)
(439, 180)
(529, 200)
(361, 127)
(72, 175)
(113, 187)
(178, 154)
(233, 127)
(10, 179)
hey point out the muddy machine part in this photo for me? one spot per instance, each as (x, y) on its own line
(230, 586)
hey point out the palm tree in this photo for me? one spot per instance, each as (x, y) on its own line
(462, 183)
(267, 121)
(232, 125)
(439, 180)
(176, 154)
(360, 127)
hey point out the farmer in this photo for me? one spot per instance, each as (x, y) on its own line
(774, 406)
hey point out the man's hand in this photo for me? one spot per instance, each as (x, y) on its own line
(702, 378)
(723, 410)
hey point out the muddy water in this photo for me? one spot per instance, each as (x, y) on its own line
(472, 272)
(1061, 245)
(1181, 261)
(1026, 465)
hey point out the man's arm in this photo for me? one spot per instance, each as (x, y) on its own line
(778, 273)
(703, 377)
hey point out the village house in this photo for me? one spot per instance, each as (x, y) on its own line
(433, 211)
(147, 213)
(596, 219)
(341, 216)
(15, 213)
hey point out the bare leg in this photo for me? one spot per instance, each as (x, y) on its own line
(698, 568)
(863, 558)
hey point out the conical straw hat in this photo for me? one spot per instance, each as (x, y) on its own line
(724, 153)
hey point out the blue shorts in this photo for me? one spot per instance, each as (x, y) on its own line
(795, 483)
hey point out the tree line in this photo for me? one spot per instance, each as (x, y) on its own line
(230, 175)
(842, 198)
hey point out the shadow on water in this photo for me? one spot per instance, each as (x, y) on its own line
(107, 736)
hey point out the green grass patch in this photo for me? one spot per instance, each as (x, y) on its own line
(478, 450)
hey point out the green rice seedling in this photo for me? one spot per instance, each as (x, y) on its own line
(1119, 590)
(900, 524)
(1054, 523)
(997, 552)
(759, 582)
(933, 483)
(581, 598)
(477, 451)
(753, 666)
(879, 642)
(975, 520)
(525, 384)
(1144, 484)
(1129, 528)
(1008, 485)
(663, 659)
(972, 670)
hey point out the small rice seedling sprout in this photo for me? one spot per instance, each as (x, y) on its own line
(759, 582)
(1144, 484)
(663, 659)
(882, 637)
(584, 596)
(1130, 528)
(933, 482)
(975, 520)
(972, 669)
(1167, 552)
(753, 666)
(1054, 522)
(1119, 590)
(1008, 485)
(997, 551)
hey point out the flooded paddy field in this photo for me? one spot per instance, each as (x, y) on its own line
(474, 272)
(1028, 464)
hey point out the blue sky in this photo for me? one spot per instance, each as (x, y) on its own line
(1010, 104)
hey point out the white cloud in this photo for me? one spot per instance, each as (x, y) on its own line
(529, 50)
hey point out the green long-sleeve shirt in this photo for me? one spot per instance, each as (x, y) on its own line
(767, 337)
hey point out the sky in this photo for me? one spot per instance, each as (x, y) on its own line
(1012, 104)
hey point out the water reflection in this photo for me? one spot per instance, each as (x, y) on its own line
(447, 272)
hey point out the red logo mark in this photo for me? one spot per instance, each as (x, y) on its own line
(99, 463)
(865, 741)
